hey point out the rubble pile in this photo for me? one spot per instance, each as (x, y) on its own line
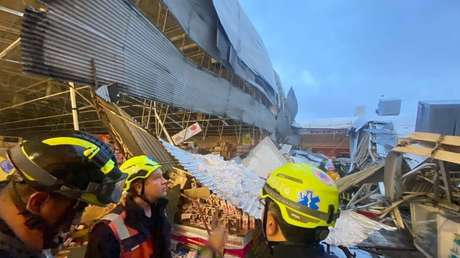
(415, 188)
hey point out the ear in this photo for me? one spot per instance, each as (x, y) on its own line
(36, 201)
(137, 187)
(272, 225)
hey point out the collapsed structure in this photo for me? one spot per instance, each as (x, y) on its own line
(172, 70)
(167, 69)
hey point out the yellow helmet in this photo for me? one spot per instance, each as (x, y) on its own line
(306, 196)
(138, 167)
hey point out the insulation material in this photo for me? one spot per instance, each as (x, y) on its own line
(352, 228)
(227, 179)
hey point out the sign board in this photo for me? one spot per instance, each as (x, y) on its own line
(187, 133)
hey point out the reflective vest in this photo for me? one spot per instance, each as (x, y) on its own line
(133, 244)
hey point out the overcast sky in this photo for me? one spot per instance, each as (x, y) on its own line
(340, 54)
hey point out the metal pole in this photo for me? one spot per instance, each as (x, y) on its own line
(38, 99)
(164, 119)
(11, 11)
(149, 114)
(73, 103)
(163, 127)
(10, 47)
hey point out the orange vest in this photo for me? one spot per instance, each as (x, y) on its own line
(133, 244)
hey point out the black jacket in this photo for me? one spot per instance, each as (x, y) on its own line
(261, 249)
(287, 250)
(103, 244)
(301, 251)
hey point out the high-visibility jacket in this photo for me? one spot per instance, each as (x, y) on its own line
(105, 241)
(133, 244)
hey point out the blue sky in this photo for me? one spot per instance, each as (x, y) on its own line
(341, 54)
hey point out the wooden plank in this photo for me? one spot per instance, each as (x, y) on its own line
(447, 156)
(434, 137)
(451, 140)
(427, 152)
(429, 137)
(417, 150)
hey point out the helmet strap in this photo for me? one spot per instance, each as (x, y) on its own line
(141, 195)
(33, 221)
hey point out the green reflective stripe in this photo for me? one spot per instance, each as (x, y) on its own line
(109, 165)
(90, 153)
(90, 148)
(295, 206)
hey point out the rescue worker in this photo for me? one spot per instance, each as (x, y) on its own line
(301, 202)
(139, 227)
(53, 179)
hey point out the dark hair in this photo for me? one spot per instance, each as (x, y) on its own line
(295, 234)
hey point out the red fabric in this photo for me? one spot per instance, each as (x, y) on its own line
(369, 214)
(202, 242)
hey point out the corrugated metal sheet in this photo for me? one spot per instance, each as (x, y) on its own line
(127, 49)
(245, 200)
(359, 177)
(224, 31)
(136, 139)
(371, 142)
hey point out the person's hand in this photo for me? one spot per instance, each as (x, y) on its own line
(217, 240)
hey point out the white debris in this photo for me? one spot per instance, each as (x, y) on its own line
(235, 182)
(352, 228)
(227, 179)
